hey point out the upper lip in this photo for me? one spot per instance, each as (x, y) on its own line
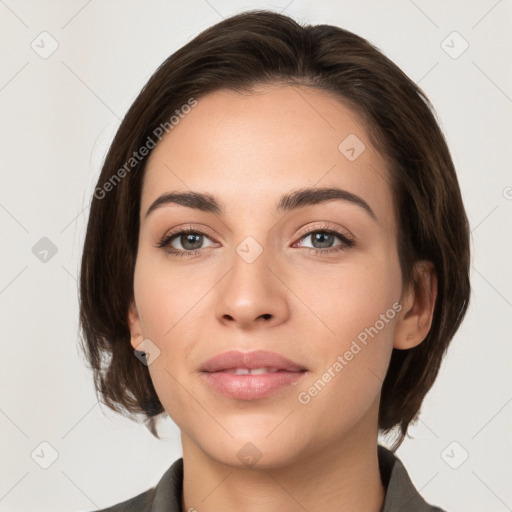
(257, 359)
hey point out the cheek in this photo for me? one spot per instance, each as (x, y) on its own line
(173, 306)
(167, 318)
(165, 294)
(348, 298)
(358, 307)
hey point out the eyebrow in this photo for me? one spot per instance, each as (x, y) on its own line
(292, 201)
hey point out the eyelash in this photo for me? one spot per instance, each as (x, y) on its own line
(347, 242)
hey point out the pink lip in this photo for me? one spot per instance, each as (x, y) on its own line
(256, 359)
(250, 387)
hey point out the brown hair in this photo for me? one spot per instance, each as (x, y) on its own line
(263, 47)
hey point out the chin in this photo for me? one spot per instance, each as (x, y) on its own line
(250, 456)
(255, 451)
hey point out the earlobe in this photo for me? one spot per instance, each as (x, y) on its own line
(420, 298)
(136, 336)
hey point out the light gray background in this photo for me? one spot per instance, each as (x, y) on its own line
(58, 116)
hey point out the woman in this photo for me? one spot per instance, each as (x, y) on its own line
(277, 257)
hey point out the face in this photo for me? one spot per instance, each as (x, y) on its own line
(318, 283)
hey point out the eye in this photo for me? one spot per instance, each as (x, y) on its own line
(190, 240)
(323, 238)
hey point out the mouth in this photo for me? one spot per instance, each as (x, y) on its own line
(250, 375)
(254, 384)
(252, 371)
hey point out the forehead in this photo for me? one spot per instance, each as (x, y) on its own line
(249, 149)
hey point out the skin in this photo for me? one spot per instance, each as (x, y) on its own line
(249, 149)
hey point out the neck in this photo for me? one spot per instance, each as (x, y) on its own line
(340, 478)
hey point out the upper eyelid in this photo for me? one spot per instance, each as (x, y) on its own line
(191, 229)
(326, 227)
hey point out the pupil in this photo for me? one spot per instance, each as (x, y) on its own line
(189, 239)
(322, 236)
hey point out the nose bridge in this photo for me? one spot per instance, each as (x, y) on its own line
(253, 246)
(256, 250)
(251, 290)
(250, 264)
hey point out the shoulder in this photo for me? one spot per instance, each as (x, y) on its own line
(164, 496)
(400, 491)
(140, 503)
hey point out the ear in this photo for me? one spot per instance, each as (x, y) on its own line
(418, 307)
(136, 336)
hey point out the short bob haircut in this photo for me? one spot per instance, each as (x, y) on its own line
(263, 48)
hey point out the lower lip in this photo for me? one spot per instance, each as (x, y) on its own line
(251, 387)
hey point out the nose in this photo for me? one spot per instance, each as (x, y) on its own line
(252, 296)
